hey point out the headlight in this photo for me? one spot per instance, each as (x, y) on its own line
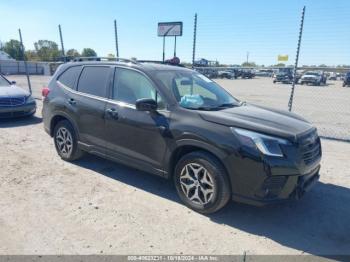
(268, 145)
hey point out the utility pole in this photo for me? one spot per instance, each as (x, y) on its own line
(194, 40)
(62, 47)
(163, 48)
(290, 104)
(247, 57)
(24, 61)
(116, 39)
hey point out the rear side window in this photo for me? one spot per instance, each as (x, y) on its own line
(69, 76)
(94, 80)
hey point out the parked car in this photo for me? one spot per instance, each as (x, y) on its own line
(15, 101)
(346, 80)
(332, 76)
(283, 77)
(226, 74)
(247, 73)
(313, 77)
(178, 124)
(264, 72)
(210, 73)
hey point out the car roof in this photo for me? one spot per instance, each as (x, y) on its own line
(142, 66)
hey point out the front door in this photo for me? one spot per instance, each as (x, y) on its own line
(134, 135)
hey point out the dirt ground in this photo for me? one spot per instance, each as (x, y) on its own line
(95, 206)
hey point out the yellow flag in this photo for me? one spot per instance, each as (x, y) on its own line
(282, 57)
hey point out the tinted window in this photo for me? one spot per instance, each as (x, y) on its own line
(69, 76)
(93, 80)
(130, 86)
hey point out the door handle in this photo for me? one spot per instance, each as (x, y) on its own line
(72, 101)
(113, 113)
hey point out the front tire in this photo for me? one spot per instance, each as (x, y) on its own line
(201, 182)
(66, 142)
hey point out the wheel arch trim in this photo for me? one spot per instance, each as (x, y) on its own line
(64, 115)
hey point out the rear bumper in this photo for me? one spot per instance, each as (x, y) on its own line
(18, 111)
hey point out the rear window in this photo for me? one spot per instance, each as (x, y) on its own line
(69, 76)
(94, 80)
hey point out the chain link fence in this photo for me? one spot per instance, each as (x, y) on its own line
(324, 48)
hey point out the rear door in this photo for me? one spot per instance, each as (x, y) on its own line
(89, 101)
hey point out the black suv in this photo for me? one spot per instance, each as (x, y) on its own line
(178, 124)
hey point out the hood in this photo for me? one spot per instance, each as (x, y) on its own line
(260, 119)
(12, 91)
(310, 76)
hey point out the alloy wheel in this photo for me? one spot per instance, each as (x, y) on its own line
(197, 183)
(64, 141)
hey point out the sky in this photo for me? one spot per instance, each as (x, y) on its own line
(227, 29)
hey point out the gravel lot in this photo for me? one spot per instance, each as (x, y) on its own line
(95, 206)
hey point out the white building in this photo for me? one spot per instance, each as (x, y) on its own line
(5, 56)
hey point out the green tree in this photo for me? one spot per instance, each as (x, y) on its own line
(31, 55)
(72, 53)
(87, 52)
(111, 57)
(13, 48)
(280, 65)
(249, 64)
(47, 50)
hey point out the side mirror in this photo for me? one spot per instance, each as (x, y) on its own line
(13, 82)
(146, 104)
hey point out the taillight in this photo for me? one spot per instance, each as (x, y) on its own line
(45, 91)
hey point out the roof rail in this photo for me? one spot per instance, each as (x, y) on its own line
(97, 58)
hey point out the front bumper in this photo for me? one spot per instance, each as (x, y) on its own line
(286, 189)
(18, 111)
(258, 179)
(310, 81)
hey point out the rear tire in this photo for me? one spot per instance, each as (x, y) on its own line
(66, 142)
(201, 182)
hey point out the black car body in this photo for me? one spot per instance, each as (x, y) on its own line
(247, 73)
(226, 74)
(283, 77)
(15, 101)
(346, 80)
(253, 154)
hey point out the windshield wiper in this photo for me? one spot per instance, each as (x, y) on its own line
(227, 105)
(211, 108)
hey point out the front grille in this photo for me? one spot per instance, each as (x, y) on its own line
(12, 101)
(310, 146)
(13, 114)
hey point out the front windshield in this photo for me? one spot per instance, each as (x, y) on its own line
(3, 82)
(195, 91)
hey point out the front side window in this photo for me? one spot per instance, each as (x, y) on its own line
(69, 76)
(195, 91)
(3, 82)
(94, 80)
(130, 85)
